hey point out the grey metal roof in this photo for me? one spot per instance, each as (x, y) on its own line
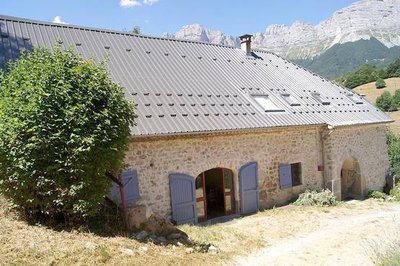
(190, 87)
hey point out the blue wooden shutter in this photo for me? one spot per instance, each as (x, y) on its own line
(285, 176)
(183, 198)
(248, 189)
(131, 185)
(130, 182)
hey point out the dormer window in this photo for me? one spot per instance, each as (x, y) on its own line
(290, 99)
(355, 98)
(266, 103)
(317, 96)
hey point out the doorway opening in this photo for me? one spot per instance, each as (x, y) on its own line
(214, 194)
(350, 178)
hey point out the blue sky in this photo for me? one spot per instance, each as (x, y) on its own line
(155, 17)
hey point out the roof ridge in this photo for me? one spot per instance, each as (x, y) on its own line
(109, 31)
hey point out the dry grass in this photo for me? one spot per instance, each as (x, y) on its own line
(371, 93)
(23, 244)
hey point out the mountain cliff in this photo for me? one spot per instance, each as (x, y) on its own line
(363, 20)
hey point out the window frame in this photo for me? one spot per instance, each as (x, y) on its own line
(295, 175)
(277, 108)
(289, 99)
(353, 97)
(318, 96)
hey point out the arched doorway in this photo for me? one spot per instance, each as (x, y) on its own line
(215, 194)
(350, 178)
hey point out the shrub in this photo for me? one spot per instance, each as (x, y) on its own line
(64, 124)
(395, 193)
(377, 195)
(315, 198)
(386, 103)
(393, 143)
(380, 84)
(396, 97)
(393, 70)
(362, 75)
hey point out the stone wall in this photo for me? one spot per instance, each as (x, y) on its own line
(155, 159)
(366, 144)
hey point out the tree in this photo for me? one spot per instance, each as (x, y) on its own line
(396, 98)
(64, 124)
(393, 142)
(393, 70)
(386, 103)
(380, 83)
(362, 75)
(136, 30)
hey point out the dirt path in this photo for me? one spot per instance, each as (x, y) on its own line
(345, 239)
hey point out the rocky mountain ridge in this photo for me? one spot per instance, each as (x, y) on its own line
(362, 20)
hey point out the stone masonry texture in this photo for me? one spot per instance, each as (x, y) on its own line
(156, 158)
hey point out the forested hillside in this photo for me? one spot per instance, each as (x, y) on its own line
(342, 58)
(369, 73)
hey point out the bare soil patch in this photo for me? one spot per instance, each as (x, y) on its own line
(343, 237)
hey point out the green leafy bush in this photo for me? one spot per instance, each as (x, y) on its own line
(316, 198)
(380, 83)
(395, 193)
(396, 97)
(362, 75)
(393, 70)
(377, 194)
(386, 103)
(393, 143)
(64, 124)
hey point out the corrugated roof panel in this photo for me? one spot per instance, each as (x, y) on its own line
(188, 87)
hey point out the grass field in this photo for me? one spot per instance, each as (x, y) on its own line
(371, 93)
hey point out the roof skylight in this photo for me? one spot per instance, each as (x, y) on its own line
(355, 98)
(290, 99)
(266, 103)
(321, 99)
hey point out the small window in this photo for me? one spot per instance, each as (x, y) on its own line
(289, 175)
(290, 99)
(321, 99)
(355, 98)
(266, 103)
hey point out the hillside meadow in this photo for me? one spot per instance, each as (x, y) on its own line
(371, 93)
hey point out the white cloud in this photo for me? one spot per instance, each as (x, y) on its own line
(150, 2)
(130, 3)
(57, 19)
(133, 3)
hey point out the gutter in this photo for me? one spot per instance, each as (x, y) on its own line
(250, 130)
(224, 131)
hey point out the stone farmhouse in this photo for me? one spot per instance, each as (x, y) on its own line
(222, 130)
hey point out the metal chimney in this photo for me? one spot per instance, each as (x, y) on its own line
(245, 43)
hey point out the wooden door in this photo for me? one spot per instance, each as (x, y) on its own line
(183, 198)
(248, 188)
